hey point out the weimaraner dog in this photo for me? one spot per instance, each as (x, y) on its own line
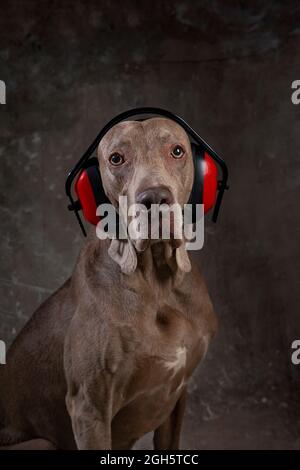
(107, 358)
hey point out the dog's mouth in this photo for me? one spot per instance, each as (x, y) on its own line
(144, 228)
(160, 223)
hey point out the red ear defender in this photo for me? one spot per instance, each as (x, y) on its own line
(84, 191)
(205, 185)
(89, 190)
(210, 182)
(207, 189)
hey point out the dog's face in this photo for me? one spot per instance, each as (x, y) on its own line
(148, 161)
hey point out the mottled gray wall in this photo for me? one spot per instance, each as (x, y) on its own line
(226, 67)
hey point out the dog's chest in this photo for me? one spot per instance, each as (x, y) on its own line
(168, 350)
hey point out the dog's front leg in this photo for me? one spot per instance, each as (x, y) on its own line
(91, 420)
(167, 436)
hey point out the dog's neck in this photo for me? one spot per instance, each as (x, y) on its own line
(156, 261)
(161, 265)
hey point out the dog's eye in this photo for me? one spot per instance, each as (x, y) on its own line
(116, 159)
(177, 151)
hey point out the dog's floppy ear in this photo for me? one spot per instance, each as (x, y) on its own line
(182, 259)
(123, 253)
(178, 259)
(121, 250)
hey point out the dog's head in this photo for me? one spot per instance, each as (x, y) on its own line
(151, 163)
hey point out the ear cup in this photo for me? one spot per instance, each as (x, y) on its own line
(205, 185)
(210, 182)
(89, 190)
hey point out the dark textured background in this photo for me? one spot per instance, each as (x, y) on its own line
(226, 67)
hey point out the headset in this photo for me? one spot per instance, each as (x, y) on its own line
(207, 188)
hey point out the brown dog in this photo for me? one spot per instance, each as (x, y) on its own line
(106, 359)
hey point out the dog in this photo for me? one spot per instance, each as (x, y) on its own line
(107, 358)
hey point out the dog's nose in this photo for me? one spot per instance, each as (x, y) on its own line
(156, 195)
